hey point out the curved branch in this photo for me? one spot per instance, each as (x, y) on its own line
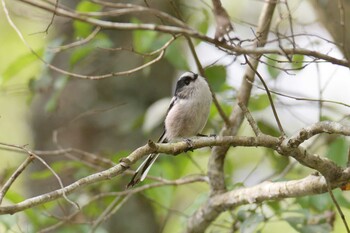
(321, 164)
(216, 161)
(265, 191)
(170, 148)
(187, 31)
(317, 128)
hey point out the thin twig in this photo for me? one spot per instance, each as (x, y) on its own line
(111, 208)
(77, 43)
(250, 119)
(186, 31)
(71, 74)
(329, 189)
(14, 176)
(32, 154)
(268, 94)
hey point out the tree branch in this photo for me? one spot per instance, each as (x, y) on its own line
(206, 211)
(186, 31)
(216, 161)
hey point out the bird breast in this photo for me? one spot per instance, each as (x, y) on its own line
(188, 116)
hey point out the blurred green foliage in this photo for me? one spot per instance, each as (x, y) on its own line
(171, 204)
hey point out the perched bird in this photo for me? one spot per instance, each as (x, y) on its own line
(186, 116)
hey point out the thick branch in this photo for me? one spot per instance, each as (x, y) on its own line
(317, 128)
(171, 148)
(323, 165)
(288, 147)
(265, 191)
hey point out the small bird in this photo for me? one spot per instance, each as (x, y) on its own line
(186, 116)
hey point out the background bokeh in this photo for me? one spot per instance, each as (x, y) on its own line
(110, 118)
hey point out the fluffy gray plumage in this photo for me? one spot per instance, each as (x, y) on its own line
(186, 117)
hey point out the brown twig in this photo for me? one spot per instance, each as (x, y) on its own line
(250, 119)
(268, 94)
(186, 31)
(76, 43)
(14, 176)
(342, 216)
(216, 161)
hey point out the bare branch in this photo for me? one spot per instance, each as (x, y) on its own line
(269, 96)
(317, 128)
(250, 119)
(96, 77)
(216, 161)
(265, 191)
(197, 222)
(14, 176)
(186, 31)
(77, 43)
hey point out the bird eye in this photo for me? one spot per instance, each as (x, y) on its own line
(187, 81)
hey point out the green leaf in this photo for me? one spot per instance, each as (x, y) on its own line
(120, 154)
(320, 228)
(338, 151)
(82, 29)
(197, 202)
(204, 23)
(18, 65)
(318, 203)
(321, 202)
(275, 206)
(143, 40)
(14, 197)
(216, 77)
(271, 64)
(278, 162)
(88, 6)
(297, 61)
(163, 195)
(266, 128)
(296, 222)
(251, 223)
(101, 40)
(175, 55)
(306, 224)
(79, 54)
(341, 199)
(41, 175)
(59, 84)
(259, 102)
(325, 118)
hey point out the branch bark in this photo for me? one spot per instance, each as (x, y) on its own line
(218, 203)
(309, 185)
(216, 161)
(186, 31)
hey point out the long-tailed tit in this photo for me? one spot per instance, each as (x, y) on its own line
(186, 116)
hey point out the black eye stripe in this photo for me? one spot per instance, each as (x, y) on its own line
(185, 81)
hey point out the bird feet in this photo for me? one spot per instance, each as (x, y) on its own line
(189, 144)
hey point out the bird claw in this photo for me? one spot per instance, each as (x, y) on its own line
(125, 163)
(189, 144)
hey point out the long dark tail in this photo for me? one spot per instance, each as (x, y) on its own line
(142, 171)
